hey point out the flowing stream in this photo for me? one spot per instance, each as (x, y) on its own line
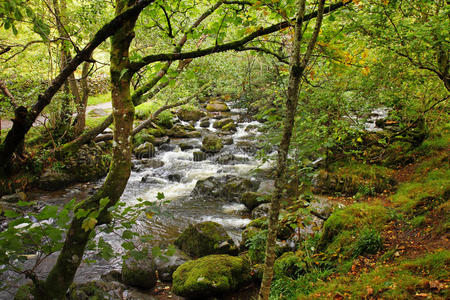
(176, 178)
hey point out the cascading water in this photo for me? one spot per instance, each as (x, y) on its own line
(174, 173)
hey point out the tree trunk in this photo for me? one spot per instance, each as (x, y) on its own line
(80, 121)
(297, 68)
(62, 274)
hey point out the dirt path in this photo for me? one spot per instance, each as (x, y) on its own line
(41, 119)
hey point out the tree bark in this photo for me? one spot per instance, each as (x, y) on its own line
(80, 121)
(297, 67)
(62, 274)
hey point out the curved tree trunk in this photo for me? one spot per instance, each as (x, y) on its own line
(297, 67)
(62, 274)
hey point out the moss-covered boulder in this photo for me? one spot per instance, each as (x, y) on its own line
(190, 115)
(217, 106)
(199, 155)
(224, 188)
(205, 238)
(212, 144)
(142, 137)
(156, 132)
(139, 273)
(146, 150)
(213, 275)
(253, 199)
(229, 127)
(220, 123)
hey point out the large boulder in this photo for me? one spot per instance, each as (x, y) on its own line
(205, 238)
(190, 115)
(225, 188)
(142, 137)
(139, 273)
(213, 275)
(230, 159)
(146, 150)
(53, 180)
(212, 144)
(253, 199)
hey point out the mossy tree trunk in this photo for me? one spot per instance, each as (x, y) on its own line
(297, 67)
(62, 274)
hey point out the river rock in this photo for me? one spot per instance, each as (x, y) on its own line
(213, 275)
(227, 140)
(212, 144)
(199, 155)
(252, 199)
(230, 127)
(230, 159)
(247, 146)
(183, 131)
(152, 163)
(97, 289)
(156, 132)
(142, 137)
(204, 123)
(87, 164)
(186, 146)
(251, 127)
(205, 238)
(146, 150)
(167, 147)
(161, 140)
(190, 115)
(221, 123)
(14, 198)
(53, 180)
(167, 266)
(174, 177)
(217, 106)
(261, 210)
(225, 188)
(139, 273)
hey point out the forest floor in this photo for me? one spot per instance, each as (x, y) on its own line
(406, 248)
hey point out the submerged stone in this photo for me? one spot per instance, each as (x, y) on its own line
(139, 273)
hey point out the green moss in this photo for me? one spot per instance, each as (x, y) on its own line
(289, 265)
(399, 281)
(211, 275)
(342, 237)
(212, 144)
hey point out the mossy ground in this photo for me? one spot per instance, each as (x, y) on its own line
(391, 245)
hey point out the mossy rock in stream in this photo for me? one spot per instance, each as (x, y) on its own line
(212, 144)
(190, 115)
(213, 275)
(205, 238)
(217, 106)
(221, 123)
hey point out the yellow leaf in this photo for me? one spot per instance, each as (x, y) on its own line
(88, 223)
(149, 214)
(365, 71)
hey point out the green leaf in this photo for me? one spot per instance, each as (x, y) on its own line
(160, 196)
(88, 223)
(128, 245)
(156, 252)
(127, 234)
